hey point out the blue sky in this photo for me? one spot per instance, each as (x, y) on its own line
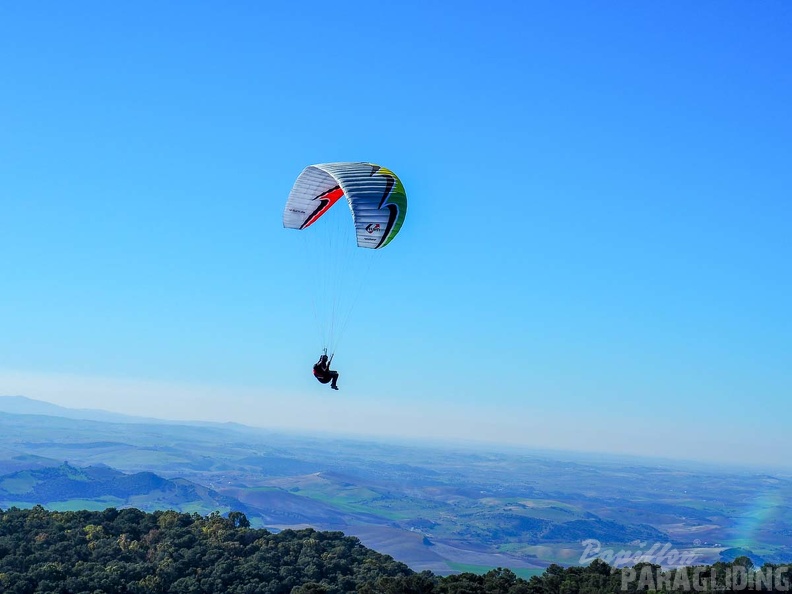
(596, 254)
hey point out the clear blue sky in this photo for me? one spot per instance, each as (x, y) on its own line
(596, 255)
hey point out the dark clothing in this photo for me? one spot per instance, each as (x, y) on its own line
(324, 374)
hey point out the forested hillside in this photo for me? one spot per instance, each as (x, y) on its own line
(135, 552)
(132, 551)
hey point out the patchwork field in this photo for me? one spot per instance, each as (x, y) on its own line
(440, 508)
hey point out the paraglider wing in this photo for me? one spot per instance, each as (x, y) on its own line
(375, 195)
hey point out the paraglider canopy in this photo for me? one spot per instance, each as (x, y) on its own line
(337, 269)
(374, 194)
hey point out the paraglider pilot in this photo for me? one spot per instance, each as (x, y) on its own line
(323, 373)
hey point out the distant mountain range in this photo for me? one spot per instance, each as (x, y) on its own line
(21, 405)
(61, 485)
